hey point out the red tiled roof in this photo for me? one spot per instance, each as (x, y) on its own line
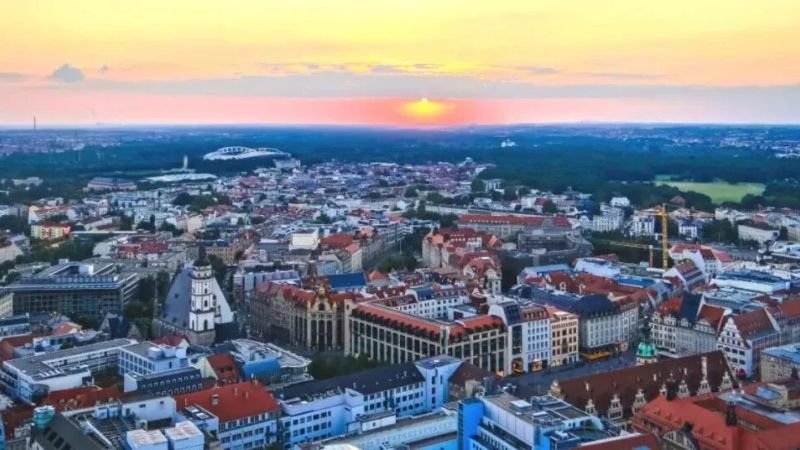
(338, 240)
(753, 322)
(712, 314)
(234, 401)
(671, 306)
(172, 340)
(225, 367)
(376, 275)
(80, 397)
(639, 441)
(707, 416)
(601, 387)
(790, 308)
(398, 317)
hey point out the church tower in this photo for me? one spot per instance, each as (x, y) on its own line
(203, 300)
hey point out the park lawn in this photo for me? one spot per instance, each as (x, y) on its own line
(719, 191)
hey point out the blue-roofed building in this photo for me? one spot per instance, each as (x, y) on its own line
(347, 281)
(267, 362)
(778, 363)
(752, 280)
(503, 421)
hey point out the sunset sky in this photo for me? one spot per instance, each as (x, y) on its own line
(372, 62)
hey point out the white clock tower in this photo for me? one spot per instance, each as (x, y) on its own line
(203, 300)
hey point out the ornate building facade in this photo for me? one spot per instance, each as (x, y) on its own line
(308, 318)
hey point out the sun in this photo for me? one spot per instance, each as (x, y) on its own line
(425, 110)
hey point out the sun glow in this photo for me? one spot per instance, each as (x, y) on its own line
(425, 110)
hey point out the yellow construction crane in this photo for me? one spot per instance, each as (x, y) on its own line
(660, 212)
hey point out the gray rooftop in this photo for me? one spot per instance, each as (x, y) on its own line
(38, 367)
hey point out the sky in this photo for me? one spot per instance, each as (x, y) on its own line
(398, 62)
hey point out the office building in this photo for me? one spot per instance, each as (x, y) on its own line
(31, 379)
(363, 401)
(503, 421)
(145, 358)
(75, 289)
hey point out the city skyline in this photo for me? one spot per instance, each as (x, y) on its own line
(399, 63)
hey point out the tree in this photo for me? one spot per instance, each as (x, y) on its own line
(722, 231)
(14, 224)
(183, 199)
(125, 223)
(411, 192)
(478, 185)
(435, 198)
(549, 207)
(147, 290)
(169, 227)
(219, 268)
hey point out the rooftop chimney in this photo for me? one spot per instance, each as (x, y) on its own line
(672, 389)
(214, 399)
(730, 415)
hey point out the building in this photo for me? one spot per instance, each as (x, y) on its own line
(642, 225)
(743, 336)
(267, 362)
(507, 226)
(14, 325)
(241, 415)
(619, 394)
(110, 184)
(49, 231)
(305, 240)
(170, 382)
(565, 338)
(363, 401)
(134, 424)
(528, 333)
(760, 417)
(751, 280)
(600, 267)
(443, 247)
(759, 232)
(683, 326)
(388, 335)
(503, 421)
(297, 316)
(146, 358)
(426, 431)
(75, 289)
(778, 363)
(690, 229)
(196, 307)
(31, 379)
(553, 247)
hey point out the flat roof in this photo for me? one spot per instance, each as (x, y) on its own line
(37, 367)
